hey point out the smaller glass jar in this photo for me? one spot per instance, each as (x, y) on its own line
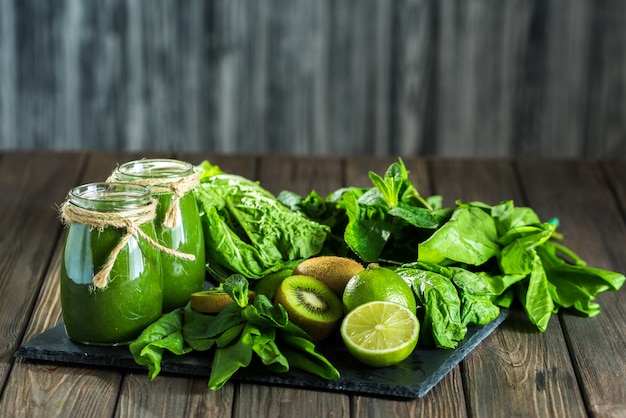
(110, 279)
(177, 223)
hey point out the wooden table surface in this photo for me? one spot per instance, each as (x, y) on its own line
(576, 368)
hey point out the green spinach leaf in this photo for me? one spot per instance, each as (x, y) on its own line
(575, 285)
(232, 337)
(302, 354)
(228, 359)
(164, 334)
(470, 237)
(441, 303)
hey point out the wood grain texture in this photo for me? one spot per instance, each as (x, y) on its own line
(576, 368)
(68, 390)
(589, 213)
(302, 176)
(140, 397)
(51, 390)
(444, 400)
(280, 402)
(508, 363)
(409, 77)
(26, 244)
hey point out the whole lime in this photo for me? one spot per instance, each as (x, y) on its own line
(377, 283)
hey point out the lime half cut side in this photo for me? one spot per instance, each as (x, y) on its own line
(380, 334)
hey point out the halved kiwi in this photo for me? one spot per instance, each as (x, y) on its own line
(333, 271)
(213, 300)
(310, 304)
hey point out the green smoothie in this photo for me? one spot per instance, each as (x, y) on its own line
(181, 277)
(164, 177)
(132, 298)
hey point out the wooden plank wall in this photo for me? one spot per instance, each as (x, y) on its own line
(405, 77)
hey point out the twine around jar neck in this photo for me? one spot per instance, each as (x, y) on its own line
(178, 186)
(129, 219)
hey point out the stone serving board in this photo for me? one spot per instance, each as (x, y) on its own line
(412, 378)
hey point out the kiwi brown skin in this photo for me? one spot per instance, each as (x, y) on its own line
(333, 271)
(212, 301)
(311, 305)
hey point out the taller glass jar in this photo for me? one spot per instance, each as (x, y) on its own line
(177, 224)
(110, 281)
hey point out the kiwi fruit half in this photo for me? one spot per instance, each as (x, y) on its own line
(333, 271)
(213, 300)
(310, 304)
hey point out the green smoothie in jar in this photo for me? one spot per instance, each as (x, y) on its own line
(177, 224)
(111, 283)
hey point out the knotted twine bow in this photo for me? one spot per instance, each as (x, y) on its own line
(176, 185)
(130, 219)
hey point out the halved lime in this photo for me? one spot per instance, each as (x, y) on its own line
(380, 333)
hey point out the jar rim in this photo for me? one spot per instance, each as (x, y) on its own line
(155, 168)
(110, 196)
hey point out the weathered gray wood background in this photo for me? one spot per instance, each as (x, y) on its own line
(406, 77)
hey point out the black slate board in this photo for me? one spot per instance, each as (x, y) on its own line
(412, 378)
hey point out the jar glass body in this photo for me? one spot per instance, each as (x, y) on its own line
(181, 277)
(132, 299)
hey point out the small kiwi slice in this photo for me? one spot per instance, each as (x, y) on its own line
(310, 304)
(213, 300)
(333, 271)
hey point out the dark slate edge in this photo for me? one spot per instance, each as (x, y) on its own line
(470, 342)
(411, 379)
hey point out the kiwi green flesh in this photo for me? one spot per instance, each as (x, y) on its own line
(312, 299)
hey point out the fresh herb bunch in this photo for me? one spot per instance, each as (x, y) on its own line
(465, 262)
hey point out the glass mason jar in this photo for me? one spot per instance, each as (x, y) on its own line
(129, 295)
(177, 223)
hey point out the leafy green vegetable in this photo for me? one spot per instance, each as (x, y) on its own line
(477, 297)
(234, 337)
(164, 334)
(505, 253)
(228, 359)
(247, 230)
(269, 352)
(535, 296)
(390, 187)
(463, 263)
(452, 298)
(201, 332)
(237, 288)
(301, 353)
(384, 222)
(207, 170)
(366, 234)
(575, 285)
(469, 237)
(441, 303)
